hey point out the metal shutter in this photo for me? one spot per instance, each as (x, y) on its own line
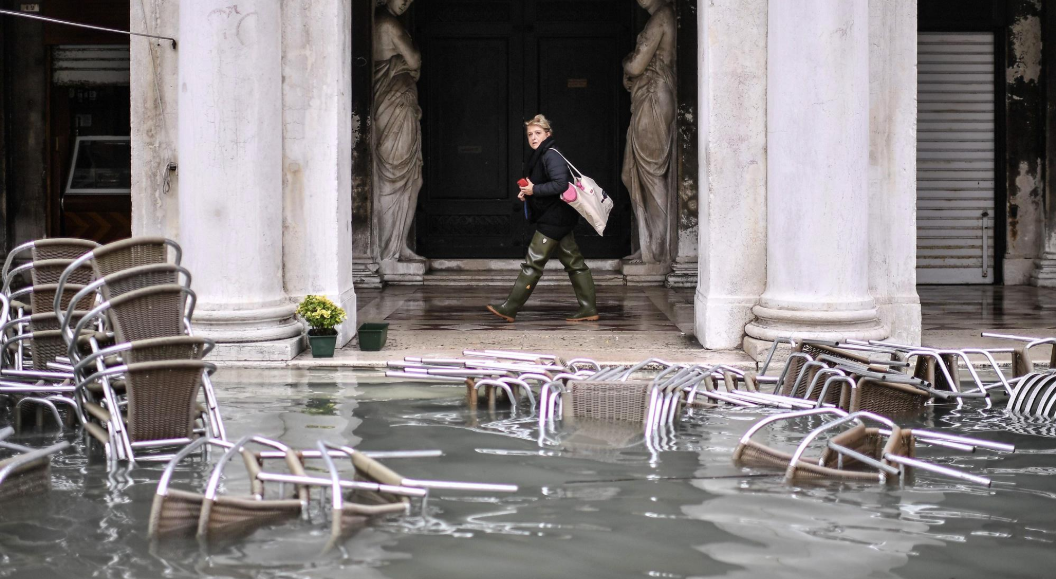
(79, 65)
(955, 158)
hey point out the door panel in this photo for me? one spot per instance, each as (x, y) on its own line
(471, 96)
(488, 65)
(577, 95)
(468, 132)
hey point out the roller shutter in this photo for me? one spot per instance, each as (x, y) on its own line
(955, 158)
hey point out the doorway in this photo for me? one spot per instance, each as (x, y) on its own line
(488, 65)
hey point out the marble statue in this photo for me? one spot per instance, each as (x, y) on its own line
(649, 74)
(396, 130)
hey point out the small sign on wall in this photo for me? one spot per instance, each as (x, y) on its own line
(31, 7)
(577, 83)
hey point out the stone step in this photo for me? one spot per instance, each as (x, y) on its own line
(502, 278)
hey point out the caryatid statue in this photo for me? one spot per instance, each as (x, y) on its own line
(396, 130)
(649, 73)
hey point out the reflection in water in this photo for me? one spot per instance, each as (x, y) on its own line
(818, 534)
(596, 500)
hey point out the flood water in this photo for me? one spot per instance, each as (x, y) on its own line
(594, 501)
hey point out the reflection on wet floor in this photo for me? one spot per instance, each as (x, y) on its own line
(595, 500)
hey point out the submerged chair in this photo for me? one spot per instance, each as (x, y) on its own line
(350, 513)
(860, 453)
(1022, 358)
(213, 516)
(226, 517)
(1034, 395)
(28, 472)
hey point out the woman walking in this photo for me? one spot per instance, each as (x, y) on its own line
(546, 178)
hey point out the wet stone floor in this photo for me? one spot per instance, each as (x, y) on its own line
(594, 500)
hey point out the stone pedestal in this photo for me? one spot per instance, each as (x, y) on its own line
(817, 174)
(365, 274)
(230, 150)
(683, 274)
(1045, 272)
(403, 272)
(645, 274)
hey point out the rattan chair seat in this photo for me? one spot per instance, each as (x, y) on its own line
(30, 479)
(608, 400)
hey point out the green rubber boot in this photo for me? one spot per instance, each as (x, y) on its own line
(582, 281)
(539, 252)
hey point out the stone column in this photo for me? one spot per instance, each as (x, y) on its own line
(817, 277)
(892, 166)
(732, 169)
(317, 154)
(230, 148)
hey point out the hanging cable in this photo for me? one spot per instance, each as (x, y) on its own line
(79, 25)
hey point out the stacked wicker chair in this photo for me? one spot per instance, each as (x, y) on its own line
(34, 368)
(137, 366)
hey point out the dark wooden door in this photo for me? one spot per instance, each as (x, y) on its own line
(488, 65)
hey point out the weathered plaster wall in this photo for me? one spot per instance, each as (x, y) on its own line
(1045, 269)
(1024, 132)
(732, 36)
(155, 187)
(892, 166)
(26, 127)
(317, 153)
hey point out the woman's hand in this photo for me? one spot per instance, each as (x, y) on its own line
(527, 190)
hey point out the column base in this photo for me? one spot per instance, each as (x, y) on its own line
(1044, 271)
(403, 272)
(683, 275)
(262, 334)
(263, 324)
(270, 351)
(645, 274)
(860, 322)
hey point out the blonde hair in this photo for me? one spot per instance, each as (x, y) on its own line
(539, 121)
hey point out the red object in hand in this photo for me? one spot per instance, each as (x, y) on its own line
(522, 183)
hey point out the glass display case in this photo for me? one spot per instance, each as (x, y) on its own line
(101, 166)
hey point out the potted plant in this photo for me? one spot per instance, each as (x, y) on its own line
(323, 316)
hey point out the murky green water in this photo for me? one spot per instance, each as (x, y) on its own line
(594, 502)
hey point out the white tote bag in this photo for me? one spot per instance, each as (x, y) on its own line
(587, 198)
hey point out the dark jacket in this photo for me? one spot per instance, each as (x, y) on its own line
(549, 173)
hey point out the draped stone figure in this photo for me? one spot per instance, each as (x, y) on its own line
(397, 132)
(649, 74)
